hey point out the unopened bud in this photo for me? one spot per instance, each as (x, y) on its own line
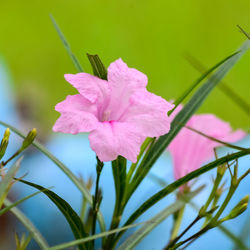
(29, 139)
(237, 211)
(222, 169)
(243, 201)
(4, 142)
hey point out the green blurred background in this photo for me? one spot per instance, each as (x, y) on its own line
(151, 36)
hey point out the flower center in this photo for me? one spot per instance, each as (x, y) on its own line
(105, 116)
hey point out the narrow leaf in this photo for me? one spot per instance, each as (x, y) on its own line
(224, 87)
(14, 204)
(6, 182)
(36, 235)
(70, 215)
(184, 115)
(137, 236)
(173, 186)
(217, 140)
(98, 67)
(197, 82)
(71, 176)
(93, 237)
(66, 45)
(119, 175)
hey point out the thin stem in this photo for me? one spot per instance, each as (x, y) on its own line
(213, 192)
(224, 204)
(83, 208)
(99, 167)
(193, 237)
(177, 223)
(173, 242)
(11, 158)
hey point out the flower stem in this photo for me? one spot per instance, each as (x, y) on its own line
(177, 223)
(174, 240)
(96, 198)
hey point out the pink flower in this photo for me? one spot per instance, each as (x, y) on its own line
(190, 150)
(119, 113)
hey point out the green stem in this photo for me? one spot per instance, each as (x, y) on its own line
(173, 241)
(212, 194)
(83, 208)
(224, 204)
(193, 237)
(177, 223)
(99, 167)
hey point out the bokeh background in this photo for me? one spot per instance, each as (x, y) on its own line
(152, 36)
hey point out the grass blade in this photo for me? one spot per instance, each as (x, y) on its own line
(93, 237)
(6, 182)
(66, 45)
(184, 115)
(14, 204)
(137, 236)
(97, 66)
(36, 235)
(173, 186)
(70, 215)
(197, 82)
(224, 87)
(71, 176)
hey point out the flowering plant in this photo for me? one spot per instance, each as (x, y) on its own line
(131, 127)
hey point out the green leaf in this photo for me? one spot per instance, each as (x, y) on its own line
(36, 235)
(70, 215)
(93, 237)
(161, 182)
(137, 236)
(66, 45)
(224, 87)
(72, 177)
(98, 67)
(6, 182)
(184, 115)
(173, 186)
(119, 175)
(197, 82)
(14, 204)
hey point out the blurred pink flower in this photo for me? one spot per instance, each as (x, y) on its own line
(119, 113)
(190, 150)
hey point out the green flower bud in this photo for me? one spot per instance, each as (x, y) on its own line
(221, 169)
(29, 139)
(4, 142)
(237, 211)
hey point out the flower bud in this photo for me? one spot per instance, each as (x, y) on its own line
(238, 209)
(243, 201)
(29, 139)
(4, 142)
(221, 169)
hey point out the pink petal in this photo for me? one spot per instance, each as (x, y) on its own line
(148, 114)
(124, 81)
(77, 115)
(190, 150)
(119, 74)
(111, 139)
(91, 87)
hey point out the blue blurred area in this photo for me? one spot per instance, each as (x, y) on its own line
(74, 152)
